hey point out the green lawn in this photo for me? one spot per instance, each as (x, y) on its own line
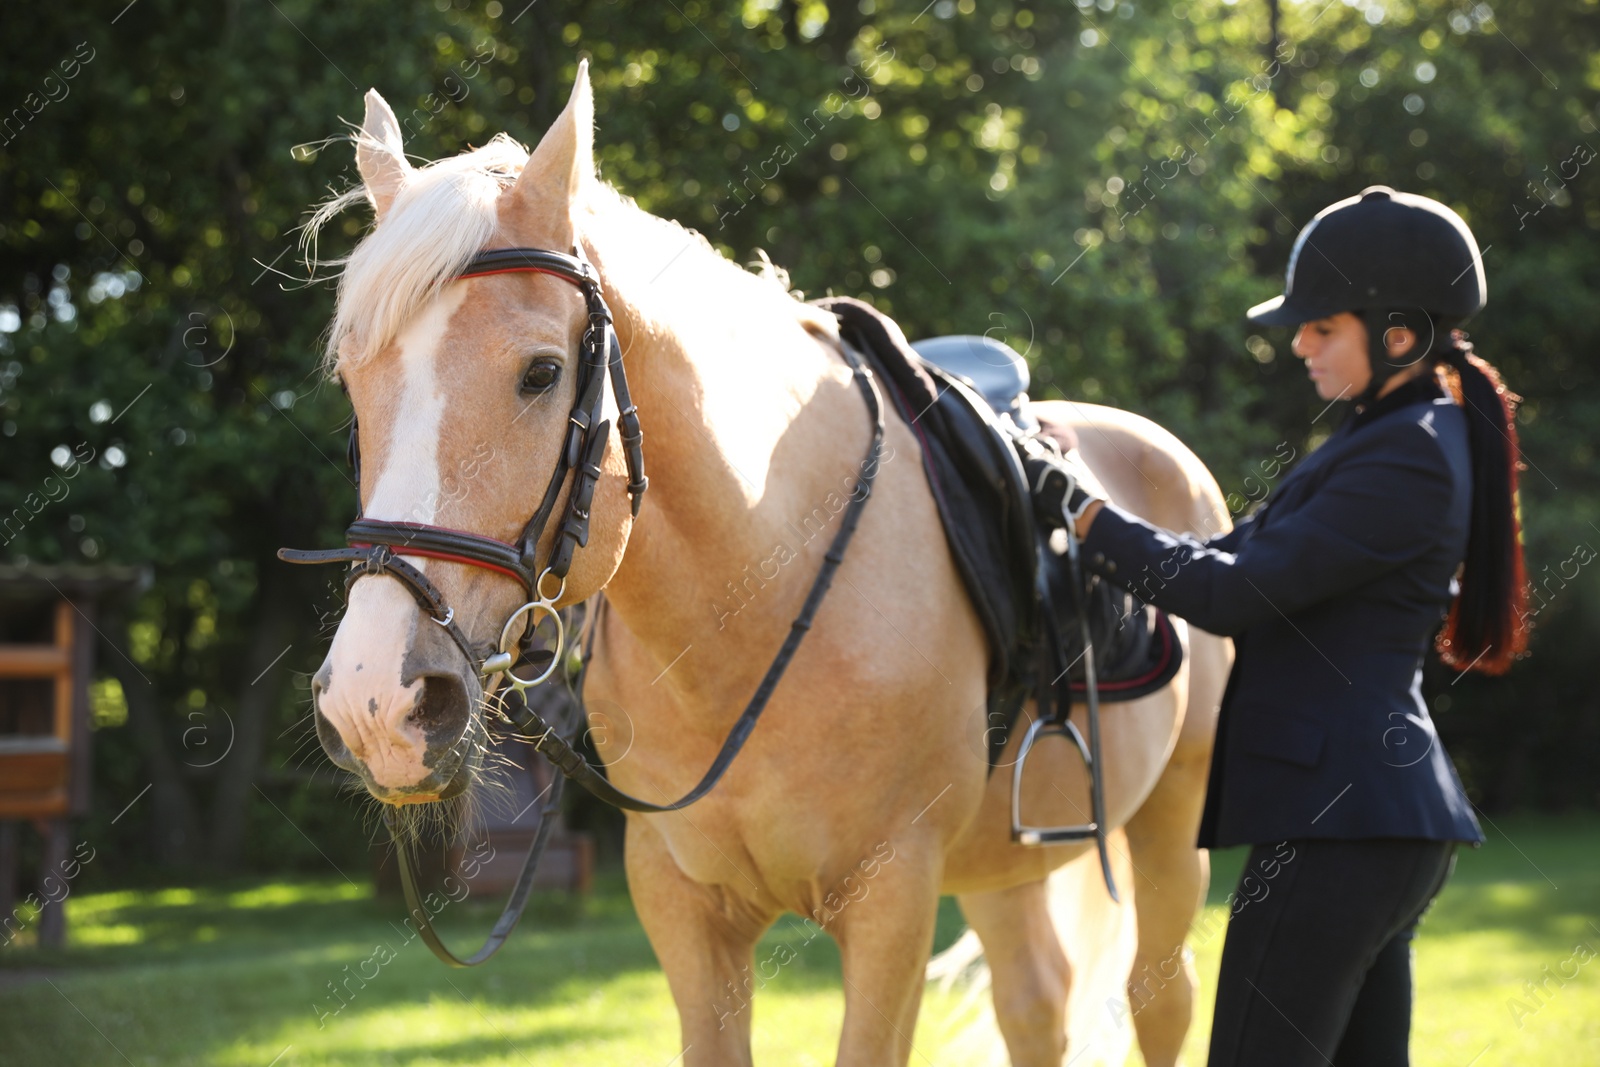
(234, 976)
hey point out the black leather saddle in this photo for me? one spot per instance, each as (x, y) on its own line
(965, 398)
(992, 368)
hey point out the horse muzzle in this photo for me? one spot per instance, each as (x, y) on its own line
(417, 755)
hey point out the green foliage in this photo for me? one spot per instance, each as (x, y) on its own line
(1107, 185)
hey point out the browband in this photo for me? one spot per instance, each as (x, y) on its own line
(542, 260)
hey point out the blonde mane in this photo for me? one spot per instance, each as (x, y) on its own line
(446, 212)
(664, 268)
(441, 217)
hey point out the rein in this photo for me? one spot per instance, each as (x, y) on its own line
(377, 545)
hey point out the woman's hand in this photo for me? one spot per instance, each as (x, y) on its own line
(1084, 502)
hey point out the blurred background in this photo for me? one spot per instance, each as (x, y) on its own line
(1106, 185)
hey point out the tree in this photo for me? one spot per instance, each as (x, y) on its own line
(1107, 186)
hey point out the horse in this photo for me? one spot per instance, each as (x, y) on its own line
(866, 791)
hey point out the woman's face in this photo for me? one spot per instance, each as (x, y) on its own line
(1335, 351)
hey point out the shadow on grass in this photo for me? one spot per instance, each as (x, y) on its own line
(124, 928)
(187, 1009)
(803, 957)
(202, 969)
(195, 974)
(179, 974)
(474, 1050)
(218, 966)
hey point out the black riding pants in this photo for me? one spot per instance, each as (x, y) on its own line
(1316, 968)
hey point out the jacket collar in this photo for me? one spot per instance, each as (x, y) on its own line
(1424, 389)
(1419, 390)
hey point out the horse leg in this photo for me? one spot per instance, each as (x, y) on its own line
(1029, 971)
(1172, 873)
(885, 937)
(704, 938)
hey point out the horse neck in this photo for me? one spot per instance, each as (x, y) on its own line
(748, 424)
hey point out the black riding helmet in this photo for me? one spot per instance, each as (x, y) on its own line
(1394, 258)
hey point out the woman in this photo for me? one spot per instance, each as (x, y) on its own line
(1326, 761)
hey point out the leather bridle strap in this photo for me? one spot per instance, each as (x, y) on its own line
(516, 903)
(600, 360)
(439, 542)
(381, 559)
(376, 545)
(571, 763)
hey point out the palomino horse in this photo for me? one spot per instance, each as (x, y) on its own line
(864, 794)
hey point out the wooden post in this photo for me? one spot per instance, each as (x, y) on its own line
(8, 876)
(45, 763)
(53, 884)
(79, 622)
(63, 679)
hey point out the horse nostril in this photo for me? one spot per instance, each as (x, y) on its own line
(338, 752)
(442, 710)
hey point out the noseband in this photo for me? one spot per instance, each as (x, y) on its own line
(378, 545)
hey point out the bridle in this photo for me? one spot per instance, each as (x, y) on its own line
(376, 546)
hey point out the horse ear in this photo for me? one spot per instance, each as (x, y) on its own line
(380, 156)
(564, 160)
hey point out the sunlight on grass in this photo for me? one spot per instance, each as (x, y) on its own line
(108, 934)
(628, 1020)
(283, 894)
(244, 976)
(1511, 895)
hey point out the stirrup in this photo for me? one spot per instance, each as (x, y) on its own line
(1024, 834)
(1035, 836)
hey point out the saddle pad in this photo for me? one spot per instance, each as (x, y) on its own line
(1136, 647)
(999, 548)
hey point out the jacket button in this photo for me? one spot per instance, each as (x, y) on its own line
(1111, 567)
(1097, 560)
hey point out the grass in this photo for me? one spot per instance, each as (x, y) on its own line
(239, 976)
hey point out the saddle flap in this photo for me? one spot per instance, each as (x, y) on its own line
(976, 480)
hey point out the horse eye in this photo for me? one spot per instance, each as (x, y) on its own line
(543, 374)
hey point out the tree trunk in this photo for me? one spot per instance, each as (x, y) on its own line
(260, 683)
(174, 828)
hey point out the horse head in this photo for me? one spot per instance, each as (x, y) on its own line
(463, 390)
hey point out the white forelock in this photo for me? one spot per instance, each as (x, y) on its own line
(443, 215)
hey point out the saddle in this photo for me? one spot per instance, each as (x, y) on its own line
(984, 450)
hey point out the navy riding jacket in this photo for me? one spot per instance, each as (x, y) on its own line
(1332, 591)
